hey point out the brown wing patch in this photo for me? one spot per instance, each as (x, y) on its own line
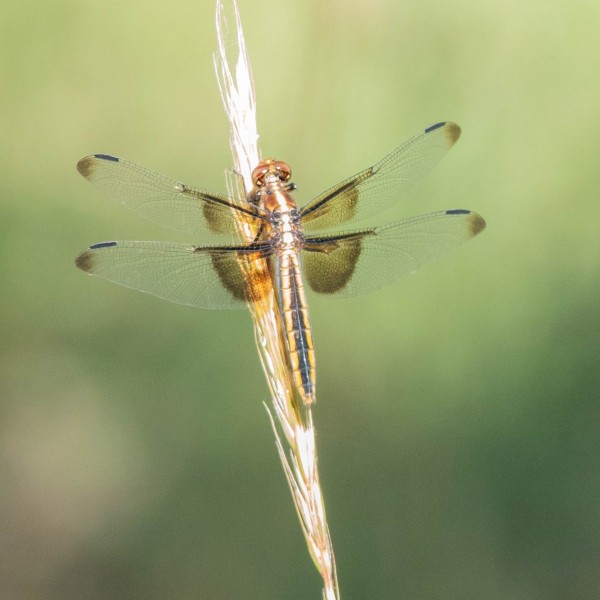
(218, 219)
(329, 262)
(215, 219)
(476, 224)
(86, 166)
(337, 205)
(348, 196)
(452, 133)
(244, 274)
(85, 261)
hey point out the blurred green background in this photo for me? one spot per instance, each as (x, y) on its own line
(458, 415)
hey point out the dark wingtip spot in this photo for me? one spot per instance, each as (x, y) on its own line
(458, 211)
(85, 261)
(476, 224)
(102, 245)
(86, 166)
(434, 127)
(452, 131)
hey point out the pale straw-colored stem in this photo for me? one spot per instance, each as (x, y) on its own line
(291, 420)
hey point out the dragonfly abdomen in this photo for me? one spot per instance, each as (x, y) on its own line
(296, 324)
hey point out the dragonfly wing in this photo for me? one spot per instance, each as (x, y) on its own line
(206, 277)
(379, 186)
(352, 263)
(165, 201)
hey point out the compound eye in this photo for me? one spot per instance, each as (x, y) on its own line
(283, 170)
(258, 174)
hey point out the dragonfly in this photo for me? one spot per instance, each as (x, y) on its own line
(289, 245)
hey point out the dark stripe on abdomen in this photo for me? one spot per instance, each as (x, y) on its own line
(297, 328)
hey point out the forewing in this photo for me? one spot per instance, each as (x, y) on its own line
(206, 277)
(379, 186)
(165, 201)
(362, 261)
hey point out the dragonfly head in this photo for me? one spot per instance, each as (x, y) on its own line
(269, 166)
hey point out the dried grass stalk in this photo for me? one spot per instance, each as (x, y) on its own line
(291, 420)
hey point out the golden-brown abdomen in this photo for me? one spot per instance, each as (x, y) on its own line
(296, 323)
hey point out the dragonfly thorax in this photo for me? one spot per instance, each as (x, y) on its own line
(286, 231)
